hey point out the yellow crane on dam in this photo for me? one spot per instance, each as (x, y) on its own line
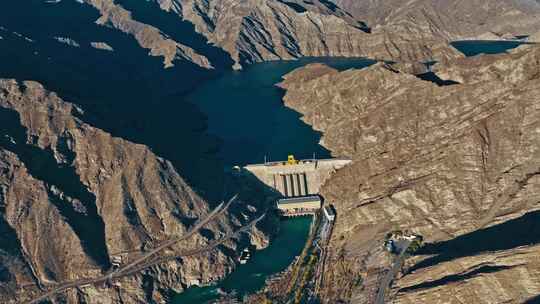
(291, 160)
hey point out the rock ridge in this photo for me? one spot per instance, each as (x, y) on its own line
(447, 162)
(60, 178)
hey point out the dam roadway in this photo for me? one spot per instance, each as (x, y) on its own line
(147, 261)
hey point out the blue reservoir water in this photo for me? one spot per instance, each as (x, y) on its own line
(245, 110)
(476, 47)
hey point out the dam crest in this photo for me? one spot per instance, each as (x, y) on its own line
(295, 178)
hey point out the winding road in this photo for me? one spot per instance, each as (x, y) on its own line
(146, 261)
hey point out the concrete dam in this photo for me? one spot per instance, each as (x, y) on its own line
(296, 178)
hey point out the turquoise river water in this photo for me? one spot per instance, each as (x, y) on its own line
(250, 277)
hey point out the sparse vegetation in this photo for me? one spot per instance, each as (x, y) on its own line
(299, 292)
(359, 281)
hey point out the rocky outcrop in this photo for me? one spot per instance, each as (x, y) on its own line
(74, 199)
(102, 46)
(458, 164)
(147, 36)
(519, 66)
(504, 276)
(33, 231)
(255, 31)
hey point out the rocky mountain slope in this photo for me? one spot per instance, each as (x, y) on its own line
(535, 37)
(212, 33)
(493, 19)
(74, 199)
(458, 164)
(218, 34)
(254, 31)
(76, 188)
(149, 37)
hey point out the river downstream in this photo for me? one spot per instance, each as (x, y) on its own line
(250, 277)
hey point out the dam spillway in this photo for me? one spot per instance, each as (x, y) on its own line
(290, 185)
(297, 178)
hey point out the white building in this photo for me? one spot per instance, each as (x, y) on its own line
(329, 213)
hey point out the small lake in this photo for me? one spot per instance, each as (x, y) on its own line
(476, 47)
(245, 110)
(250, 277)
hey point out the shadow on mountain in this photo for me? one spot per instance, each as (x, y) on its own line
(330, 5)
(41, 164)
(523, 231)
(295, 6)
(125, 92)
(10, 257)
(254, 192)
(10, 242)
(455, 278)
(361, 25)
(10, 254)
(432, 77)
(181, 31)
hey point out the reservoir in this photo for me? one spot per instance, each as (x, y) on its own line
(245, 110)
(476, 47)
(129, 95)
